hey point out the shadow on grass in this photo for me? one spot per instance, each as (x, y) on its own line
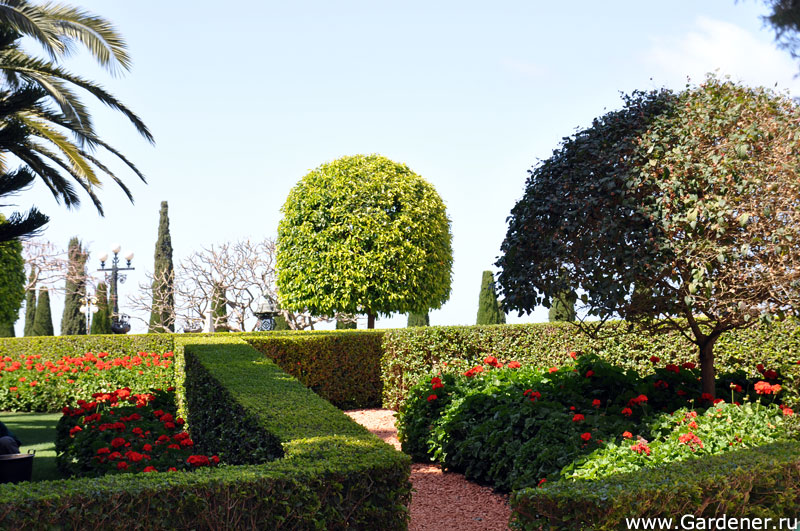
(37, 431)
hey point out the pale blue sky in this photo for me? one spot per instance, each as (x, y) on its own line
(244, 99)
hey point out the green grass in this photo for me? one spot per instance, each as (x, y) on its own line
(37, 431)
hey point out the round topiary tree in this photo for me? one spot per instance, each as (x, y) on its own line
(364, 234)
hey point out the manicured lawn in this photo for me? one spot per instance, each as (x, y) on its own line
(36, 431)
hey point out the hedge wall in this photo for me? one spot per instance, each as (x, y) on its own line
(342, 367)
(762, 482)
(411, 353)
(334, 475)
(52, 348)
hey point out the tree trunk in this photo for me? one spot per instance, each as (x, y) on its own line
(707, 376)
(370, 320)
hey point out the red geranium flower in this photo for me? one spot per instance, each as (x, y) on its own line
(586, 436)
(117, 442)
(596, 402)
(542, 481)
(577, 417)
(573, 355)
(689, 365)
(74, 430)
(788, 412)
(122, 465)
(627, 411)
(770, 374)
(589, 373)
(514, 365)
(654, 359)
(431, 398)
(552, 369)
(706, 396)
(627, 435)
(149, 469)
(641, 448)
(673, 368)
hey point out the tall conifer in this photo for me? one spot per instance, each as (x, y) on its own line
(418, 319)
(43, 323)
(101, 322)
(219, 309)
(30, 305)
(73, 322)
(162, 316)
(489, 311)
(562, 308)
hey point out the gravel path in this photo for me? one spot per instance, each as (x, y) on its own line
(441, 501)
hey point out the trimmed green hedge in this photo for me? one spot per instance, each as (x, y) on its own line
(759, 482)
(52, 348)
(342, 367)
(334, 474)
(411, 354)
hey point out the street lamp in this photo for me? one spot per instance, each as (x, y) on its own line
(88, 307)
(119, 323)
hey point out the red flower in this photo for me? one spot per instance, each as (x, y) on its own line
(149, 469)
(654, 359)
(74, 430)
(788, 412)
(638, 400)
(627, 435)
(436, 383)
(215, 459)
(760, 368)
(693, 425)
(147, 448)
(12, 388)
(573, 355)
(101, 451)
(589, 373)
(627, 411)
(718, 400)
(431, 398)
(514, 365)
(706, 396)
(174, 447)
(641, 448)
(770, 374)
(692, 440)
(737, 388)
(117, 442)
(491, 360)
(673, 368)
(596, 402)
(198, 460)
(187, 442)
(689, 365)
(577, 417)
(661, 384)
(586, 436)
(552, 369)
(765, 388)
(542, 481)
(122, 465)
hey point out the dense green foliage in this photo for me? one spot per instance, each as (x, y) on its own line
(73, 322)
(363, 235)
(418, 319)
(334, 475)
(12, 280)
(412, 353)
(513, 426)
(342, 367)
(7, 330)
(219, 308)
(675, 196)
(101, 321)
(562, 308)
(281, 324)
(756, 483)
(343, 325)
(489, 309)
(43, 322)
(30, 305)
(162, 315)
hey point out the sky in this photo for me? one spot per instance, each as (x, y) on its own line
(243, 101)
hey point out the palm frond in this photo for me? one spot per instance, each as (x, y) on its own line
(29, 20)
(19, 226)
(15, 181)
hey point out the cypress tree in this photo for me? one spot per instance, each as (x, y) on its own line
(418, 319)
(73, 322)
(101, 322)
(43, 323)
(562, 308)
(12, 281)
(6, 329)
(280, 323)
(219, 309)
(346, 324)
(162, 316)
(30, 305)
(489, 311)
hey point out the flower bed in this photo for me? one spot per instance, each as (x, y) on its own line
(513, 426)
(125, 432)
(29, 382)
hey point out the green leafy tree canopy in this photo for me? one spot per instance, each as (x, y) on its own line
(678, 211)
(363, 234)
(12, 279)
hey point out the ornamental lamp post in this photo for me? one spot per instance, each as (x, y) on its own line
(88, 307)
(119, 323)
(266, 312)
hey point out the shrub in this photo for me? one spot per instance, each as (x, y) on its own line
(121, 432)
(342, 367)
(760, 482)
(33, 383)
(413, 353)
(513, 426)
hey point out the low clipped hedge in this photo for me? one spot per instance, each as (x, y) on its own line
(334, 473)
(54, 347)
(412, 353)
(759, 482)
(342, 367)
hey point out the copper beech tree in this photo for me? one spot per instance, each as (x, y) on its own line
(679, 211)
